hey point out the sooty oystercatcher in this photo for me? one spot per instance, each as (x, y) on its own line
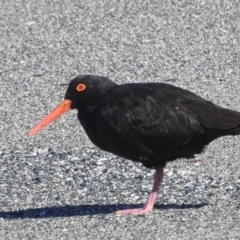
(151, 123)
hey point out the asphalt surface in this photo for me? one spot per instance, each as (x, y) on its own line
(57, 185)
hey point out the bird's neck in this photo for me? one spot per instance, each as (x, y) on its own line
(85, 115)
(86, 111)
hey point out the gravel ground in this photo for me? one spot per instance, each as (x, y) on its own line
(57, 185)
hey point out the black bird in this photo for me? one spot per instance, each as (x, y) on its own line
(151, 123)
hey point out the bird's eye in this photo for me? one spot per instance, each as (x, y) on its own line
(80, 87)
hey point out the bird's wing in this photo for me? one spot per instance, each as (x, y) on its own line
(151, 114)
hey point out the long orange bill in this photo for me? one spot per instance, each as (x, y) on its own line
(63, 107)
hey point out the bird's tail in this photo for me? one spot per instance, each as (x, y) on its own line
(216, 118)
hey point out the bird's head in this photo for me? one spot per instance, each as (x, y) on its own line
(84, 91)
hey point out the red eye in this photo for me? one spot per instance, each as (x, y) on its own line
(80, 87)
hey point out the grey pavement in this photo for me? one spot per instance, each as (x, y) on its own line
(57, 185)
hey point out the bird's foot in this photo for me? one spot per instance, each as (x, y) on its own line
(135, 211)
(158, 176)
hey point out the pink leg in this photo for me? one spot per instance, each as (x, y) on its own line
(158, 176)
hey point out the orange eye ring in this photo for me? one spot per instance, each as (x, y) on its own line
(80, 87)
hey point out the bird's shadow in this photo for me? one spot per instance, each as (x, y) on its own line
(84, 210)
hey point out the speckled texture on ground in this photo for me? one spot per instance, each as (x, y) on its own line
(57, 185)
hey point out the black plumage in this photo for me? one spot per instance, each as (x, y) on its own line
(151, 123)
(156, 121)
